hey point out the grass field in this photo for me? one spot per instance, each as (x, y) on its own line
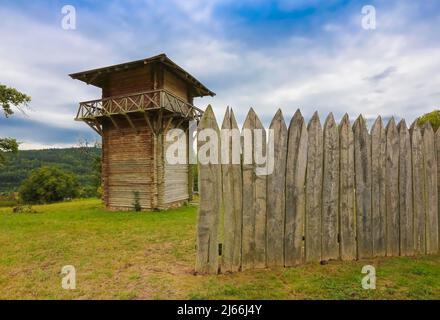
(151, 256)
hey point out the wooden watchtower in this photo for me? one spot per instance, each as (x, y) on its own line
(141, 101)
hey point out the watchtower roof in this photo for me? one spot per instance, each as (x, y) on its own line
(97, 77)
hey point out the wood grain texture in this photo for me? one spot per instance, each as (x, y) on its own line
(295, 191)
(419, 204)
(314, 190)
(175, 176)
(330, 192)
(347, 218)
(334, 192)
(276, 200)
(128, 81)
(431, 196)
(406, 217)
(175, 85)
(260, 202)
(232, 202)
(254, 200)
(362, 160)
(124, 175)
(437, 149)
(378, 203)
(392, 189)
(210, 205)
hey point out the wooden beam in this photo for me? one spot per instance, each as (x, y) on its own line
(147, 120)
(130, 122)
(95, 126)
(170, 120)
(159, 121)
(114, 123)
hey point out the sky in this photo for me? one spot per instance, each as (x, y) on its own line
(312, 55)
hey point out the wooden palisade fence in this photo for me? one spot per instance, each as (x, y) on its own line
(336, 192)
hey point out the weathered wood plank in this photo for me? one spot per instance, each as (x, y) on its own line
(276, 200)
(314, 190)
(295, 191)
(347, 219)
(330, 191)
(378, 204)
(210, 203)
(431, 196)
(419, 205)
(362, 160)
(254, 197)
(392, 189)
(260, 199)
(248, 171)
(405, 192)
(232, 196)
(437, 148)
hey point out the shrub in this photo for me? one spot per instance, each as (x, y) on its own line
(48, 184)
(433, 117)
(88, 192)
(23, 209)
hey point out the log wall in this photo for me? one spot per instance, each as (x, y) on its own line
(129, 81)
(336, 192)
(134, 162)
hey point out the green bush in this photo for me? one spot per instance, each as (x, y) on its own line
(433, 117)
(48, 184)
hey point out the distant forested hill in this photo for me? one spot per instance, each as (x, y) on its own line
(76, 160)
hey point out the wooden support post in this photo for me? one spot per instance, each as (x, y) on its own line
(314, 190)
(276, 200)
(330, 191)
(147, 120)
(347, 217)
(232, 196)
(392, 189)
(419, 203)
(210, 205)
(406, 217)
(362, 161)
(295, 193)
(378, 203)
(430, 189)
(130, 122)
(114, 123)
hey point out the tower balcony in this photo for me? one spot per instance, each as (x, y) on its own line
(160, 100)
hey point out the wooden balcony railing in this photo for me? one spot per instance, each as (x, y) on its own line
(138, 102)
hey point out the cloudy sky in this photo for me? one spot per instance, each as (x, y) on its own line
(312, 55)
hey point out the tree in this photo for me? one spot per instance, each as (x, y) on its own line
(7, 145)
(85, 148)
(48, 184)
(432, 117)
(9, 98)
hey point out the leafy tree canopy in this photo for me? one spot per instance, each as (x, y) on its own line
(7, 145)
(48, 184)
(432, 117)
(9, 98)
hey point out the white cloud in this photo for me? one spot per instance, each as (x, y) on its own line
(36, 59)
(332, 68)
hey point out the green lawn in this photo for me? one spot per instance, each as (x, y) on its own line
(151, 256)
